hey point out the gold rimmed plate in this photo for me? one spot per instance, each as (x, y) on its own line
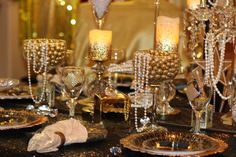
(173, 144)
(19, 92)
(6, 83)
(13, 119)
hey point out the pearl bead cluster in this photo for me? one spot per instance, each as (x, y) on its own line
(141, 78)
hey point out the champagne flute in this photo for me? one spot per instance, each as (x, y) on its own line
(73, 80)
(199, 93)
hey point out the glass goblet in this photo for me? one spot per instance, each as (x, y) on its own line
(230, 91)
(100, 8)
(199, 93)
(73, 80)
(117, 56)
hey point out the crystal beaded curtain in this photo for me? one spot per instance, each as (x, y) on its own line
(49, 19)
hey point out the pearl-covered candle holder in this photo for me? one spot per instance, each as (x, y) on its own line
(42, 55)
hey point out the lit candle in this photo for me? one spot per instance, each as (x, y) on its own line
(100, 44)
(193, 4)
(167, 34)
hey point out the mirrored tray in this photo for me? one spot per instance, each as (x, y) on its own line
(12, 119)
(173, 144)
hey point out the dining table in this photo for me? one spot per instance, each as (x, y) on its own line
(14, 142)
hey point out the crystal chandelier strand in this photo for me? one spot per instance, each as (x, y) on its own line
(222, 54)
(141, 78)
(211, 65)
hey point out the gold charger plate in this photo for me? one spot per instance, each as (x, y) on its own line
(19, 92)
(13, 119)
(173, 144)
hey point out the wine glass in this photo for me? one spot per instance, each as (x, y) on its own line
(166, 93)
(232, 94)
(100, 8)
(199, 92)
(73, 80)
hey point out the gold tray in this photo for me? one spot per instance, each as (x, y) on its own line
(13, 119)
(173, 144)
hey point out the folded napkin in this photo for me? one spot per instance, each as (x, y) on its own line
(61, 133)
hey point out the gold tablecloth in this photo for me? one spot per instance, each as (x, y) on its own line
(131, 23)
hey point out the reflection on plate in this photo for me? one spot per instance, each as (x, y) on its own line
(6, 83)
(120, 79)
(96, 132)
(86, 102)
(12, 119)
(173, 144)
(19, 92)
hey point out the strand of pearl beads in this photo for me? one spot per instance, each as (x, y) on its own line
(43, 59)
(135, 95)
(210, 64)
(43, 64)
(147, 68)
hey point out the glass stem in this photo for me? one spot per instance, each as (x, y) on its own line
(197, 124)
(100, 23)
(154, 105)
(71, 105)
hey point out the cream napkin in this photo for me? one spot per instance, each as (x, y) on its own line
(52, 136)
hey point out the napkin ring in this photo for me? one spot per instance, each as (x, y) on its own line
(62, 136)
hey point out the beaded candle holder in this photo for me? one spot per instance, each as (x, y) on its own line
(42, 55)
(162, 69)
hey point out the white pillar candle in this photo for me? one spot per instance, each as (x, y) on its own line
(167, 34)
(100, 44)
(192, 4)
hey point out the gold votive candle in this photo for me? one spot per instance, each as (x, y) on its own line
(192, 4)
(100, 44)
(167, 34)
